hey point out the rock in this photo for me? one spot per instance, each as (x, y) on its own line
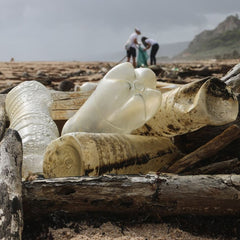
(66, 86)
(156, 69)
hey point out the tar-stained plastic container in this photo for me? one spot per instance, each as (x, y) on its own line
(94, 154)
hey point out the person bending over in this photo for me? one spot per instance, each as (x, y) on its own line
(151, 43)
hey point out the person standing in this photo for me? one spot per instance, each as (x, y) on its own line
(131, 46)
(151, 43)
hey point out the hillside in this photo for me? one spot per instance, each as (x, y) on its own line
(221, 42)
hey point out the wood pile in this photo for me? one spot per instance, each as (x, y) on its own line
(204, 181)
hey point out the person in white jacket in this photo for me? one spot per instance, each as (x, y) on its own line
(131, 46)
(151, 43)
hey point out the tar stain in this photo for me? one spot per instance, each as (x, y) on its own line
(217, 88)
(172, 128)
(194, 87)
(16, 205)
(87, 171)
(148, 127)
(129, 162)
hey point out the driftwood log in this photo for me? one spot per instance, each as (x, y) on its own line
(207, 150)
(11, 216)
(3, 119)
(223, 167)
(235, 70)
(162, 195)
(190, 142)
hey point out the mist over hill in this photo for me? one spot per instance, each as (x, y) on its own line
(221, 42)
(169, 50)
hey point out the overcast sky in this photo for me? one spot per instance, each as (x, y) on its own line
(84, 30)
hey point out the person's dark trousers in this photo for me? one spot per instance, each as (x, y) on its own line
(153, 53)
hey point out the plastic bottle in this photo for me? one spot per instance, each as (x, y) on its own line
(93, 154)
(124, 100)
(28, 109)
(192, 106)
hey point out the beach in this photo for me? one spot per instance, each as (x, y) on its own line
(66, 76)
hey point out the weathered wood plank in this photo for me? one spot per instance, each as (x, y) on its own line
(58, 115)
(65, 104)
(59, 95)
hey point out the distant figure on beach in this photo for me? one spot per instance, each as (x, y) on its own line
(131, 46)
(12, 59)
(151, 43)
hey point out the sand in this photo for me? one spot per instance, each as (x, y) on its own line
(108, 231)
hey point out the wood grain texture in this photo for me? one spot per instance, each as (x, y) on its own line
(65, 104)
(11, 215)
(163, 195)
(207, 150)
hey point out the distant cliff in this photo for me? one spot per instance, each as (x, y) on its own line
(221, 42)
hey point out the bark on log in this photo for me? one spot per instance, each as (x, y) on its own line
(3, 120)
(231, 73)
(207, 150)
(223, 167)
(203, 72)
(234, 83)
(189, 142)
(11, 217)
(125, 195)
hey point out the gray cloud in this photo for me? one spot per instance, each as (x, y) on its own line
(91, 29)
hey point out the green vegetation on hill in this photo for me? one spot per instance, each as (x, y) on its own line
(225, 40)
(222, 42)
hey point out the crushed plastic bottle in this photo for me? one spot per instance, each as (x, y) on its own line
(123, 101)
(28, 109)
(192, 106)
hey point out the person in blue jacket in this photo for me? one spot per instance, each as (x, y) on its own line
(151, 43)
